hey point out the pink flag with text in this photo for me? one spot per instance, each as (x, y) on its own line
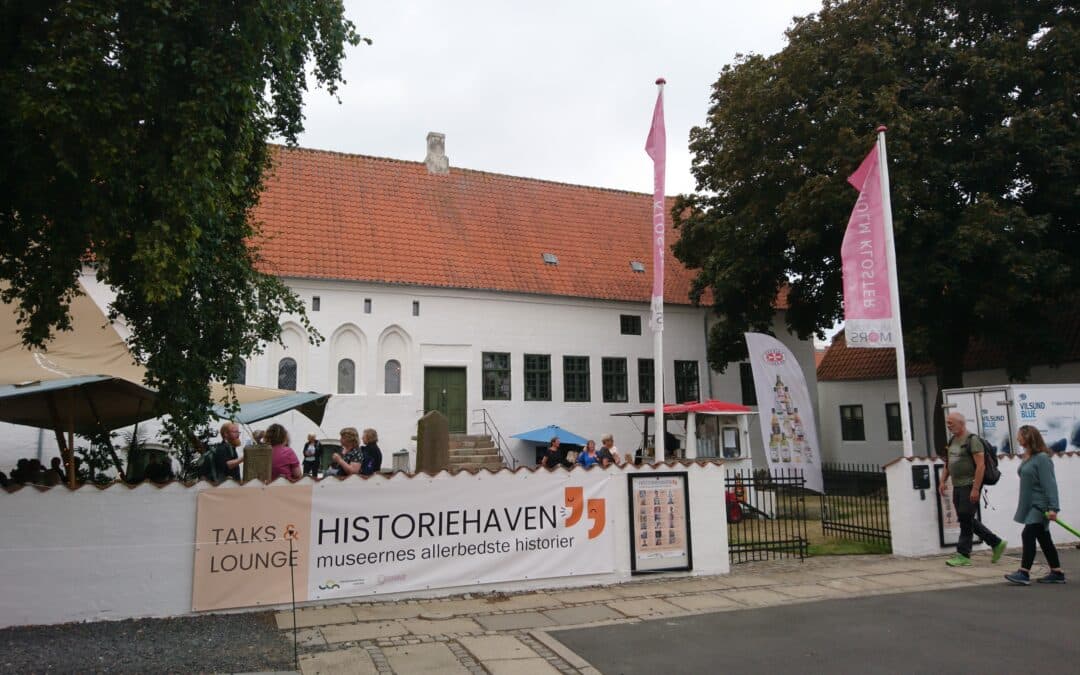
(656, 146)
(867, 304)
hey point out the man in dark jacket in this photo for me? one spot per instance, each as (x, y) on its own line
(222, 461)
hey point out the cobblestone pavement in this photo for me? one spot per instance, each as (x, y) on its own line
(503, 633)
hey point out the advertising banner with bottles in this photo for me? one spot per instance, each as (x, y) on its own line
(784, 409)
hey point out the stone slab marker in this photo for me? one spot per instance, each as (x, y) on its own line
(432, 442)
(257, 462)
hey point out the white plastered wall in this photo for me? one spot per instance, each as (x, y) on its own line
(119, 553)
(914, 521)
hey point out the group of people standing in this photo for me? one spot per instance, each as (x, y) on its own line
(608, 454)
(1038, 500)
(221, 461)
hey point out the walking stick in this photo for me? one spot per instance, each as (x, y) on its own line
(1062, 523)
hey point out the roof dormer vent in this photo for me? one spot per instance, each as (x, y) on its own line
(551, 259)
(637, 265)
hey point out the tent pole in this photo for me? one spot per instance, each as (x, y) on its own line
(66, 452)
(105, 435)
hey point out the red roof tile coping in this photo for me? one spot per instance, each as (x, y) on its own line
(329, 215)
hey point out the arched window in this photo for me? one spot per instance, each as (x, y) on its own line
(286, 374)
(346, 377)
(239, 372)
(393, 377)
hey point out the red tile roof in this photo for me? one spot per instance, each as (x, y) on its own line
(335, 216)
(841, 363)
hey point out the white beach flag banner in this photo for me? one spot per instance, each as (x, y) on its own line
(784, 409)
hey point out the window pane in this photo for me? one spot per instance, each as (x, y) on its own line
(614, 379)
(686, 381)
(630, 324)
(746, 380)
(392, 377)
(576, 378)
(239, 373)
(286, 374)
(496, 376)
(646, 381)
(851, 423)
(537, 377)
(346, 377)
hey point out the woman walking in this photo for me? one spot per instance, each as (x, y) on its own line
(1038, 505)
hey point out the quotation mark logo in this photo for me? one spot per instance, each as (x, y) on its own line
(596, 508)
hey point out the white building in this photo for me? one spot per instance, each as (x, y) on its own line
(465, 291)
(858, 401)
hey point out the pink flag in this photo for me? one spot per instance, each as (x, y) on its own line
(868, 320)
(656, 146)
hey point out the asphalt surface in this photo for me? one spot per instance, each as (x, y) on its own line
(983, 629)
(203, 644)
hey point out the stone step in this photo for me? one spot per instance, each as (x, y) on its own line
(474, 466)
(467, 440)
(474, 459)
(478, 450)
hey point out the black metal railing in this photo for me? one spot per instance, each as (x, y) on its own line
(855, 503)
(496, 437)
(766, 514)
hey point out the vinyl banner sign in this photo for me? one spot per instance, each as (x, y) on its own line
(351, 538)
(784, 409)
(868, 320)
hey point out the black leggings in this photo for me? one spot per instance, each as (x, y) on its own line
(1041, 532)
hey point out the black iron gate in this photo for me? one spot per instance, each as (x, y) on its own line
(766, 514)
(855, 504)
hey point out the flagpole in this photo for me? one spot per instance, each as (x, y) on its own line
(657, 241)
(894, 295)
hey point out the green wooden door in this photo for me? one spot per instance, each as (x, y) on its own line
(444, 390)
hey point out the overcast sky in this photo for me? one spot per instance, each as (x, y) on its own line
(560, 89)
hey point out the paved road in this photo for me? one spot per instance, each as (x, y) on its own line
(1024, 629)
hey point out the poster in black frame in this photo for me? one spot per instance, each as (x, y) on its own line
(659, 512)
(945, 510)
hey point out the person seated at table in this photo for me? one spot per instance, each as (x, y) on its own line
(312, 451)
(609, 454)
(588, 456)
(283, 459)
(370, 454)
(348, 461)
(553, 456)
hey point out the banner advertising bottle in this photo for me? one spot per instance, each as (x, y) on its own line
(787, 418)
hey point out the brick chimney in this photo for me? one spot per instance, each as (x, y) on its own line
(437, 162)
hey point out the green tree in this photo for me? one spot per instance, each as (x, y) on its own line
(981, 100)
(134, 137)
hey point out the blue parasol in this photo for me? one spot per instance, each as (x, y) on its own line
(545, 434)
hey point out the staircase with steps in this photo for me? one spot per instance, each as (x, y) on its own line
(473, 452)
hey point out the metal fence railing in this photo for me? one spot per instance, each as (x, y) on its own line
(766, 514)
(855, 503)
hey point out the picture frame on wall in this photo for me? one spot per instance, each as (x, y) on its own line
(659, 506)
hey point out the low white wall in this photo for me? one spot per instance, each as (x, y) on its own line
(914, 522)
(121, 552)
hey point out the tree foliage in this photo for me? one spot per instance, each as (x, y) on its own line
(134, 136)
(981, 101)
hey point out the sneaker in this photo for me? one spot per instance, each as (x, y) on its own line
(998, 550)
(1019, 577)
(1053, 578)
(959, 560)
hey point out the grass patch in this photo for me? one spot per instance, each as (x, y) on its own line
(847, 547)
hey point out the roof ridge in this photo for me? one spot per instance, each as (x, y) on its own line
(527, 179)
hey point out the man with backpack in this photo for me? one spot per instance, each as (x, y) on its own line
(966, 465)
